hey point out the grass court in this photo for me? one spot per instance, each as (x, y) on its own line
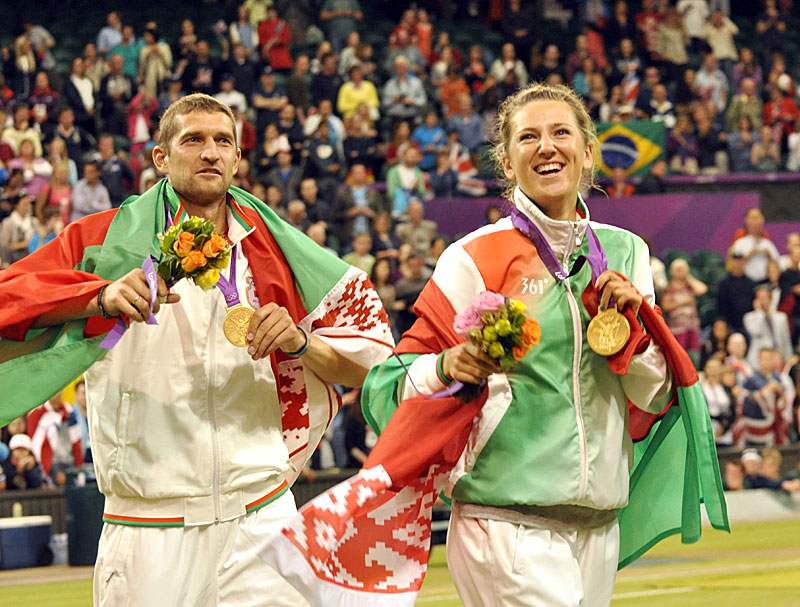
(757, 565)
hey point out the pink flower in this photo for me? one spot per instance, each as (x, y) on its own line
(468, 319)
(488, 301)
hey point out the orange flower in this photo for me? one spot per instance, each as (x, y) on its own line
(183, 244)
(520, 352)
(531, 332)
(214, 245)
(194, 260)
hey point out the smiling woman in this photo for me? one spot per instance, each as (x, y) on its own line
(536, 490)
(541, 131)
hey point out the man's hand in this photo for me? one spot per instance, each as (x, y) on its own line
(466, 363)
(130, 295)
(271, 328)
(624, 293)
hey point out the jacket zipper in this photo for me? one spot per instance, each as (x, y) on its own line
(212, 417)
(576, 360)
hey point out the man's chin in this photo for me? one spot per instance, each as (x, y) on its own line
(205, 194)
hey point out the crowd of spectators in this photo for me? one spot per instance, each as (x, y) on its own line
(347, 142)
(748, 356)
(762, 470)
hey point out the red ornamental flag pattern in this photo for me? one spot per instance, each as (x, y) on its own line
(365, 542)
(341, 538)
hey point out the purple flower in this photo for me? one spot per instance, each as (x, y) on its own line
(468, 319)
(488, 301)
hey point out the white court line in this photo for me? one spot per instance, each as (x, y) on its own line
(633, 595)
(625, 595)
(701, 569)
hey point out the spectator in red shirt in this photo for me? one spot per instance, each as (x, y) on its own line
(647, 21)
(245, 132)
(140, 113)
(274, 38)
(619, 187)
(423, 28)
(781, 111)
(55, 437)
(7, 100)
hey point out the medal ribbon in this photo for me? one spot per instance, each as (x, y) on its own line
(596, 258)
(228, 285)
(149, 268)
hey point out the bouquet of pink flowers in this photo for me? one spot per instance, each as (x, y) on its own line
(497, 325)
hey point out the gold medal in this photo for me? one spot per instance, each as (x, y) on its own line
(236, 325)
(608, 332)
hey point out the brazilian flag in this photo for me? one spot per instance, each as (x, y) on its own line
(634, 146)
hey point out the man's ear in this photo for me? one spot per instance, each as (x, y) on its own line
(161, 160)
(238, 158)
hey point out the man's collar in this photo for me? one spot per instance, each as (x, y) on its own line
(238, 225)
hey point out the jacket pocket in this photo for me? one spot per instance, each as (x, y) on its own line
(121, 431)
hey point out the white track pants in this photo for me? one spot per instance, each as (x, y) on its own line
(200, 566)
(499, 564)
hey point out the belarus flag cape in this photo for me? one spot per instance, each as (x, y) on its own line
(365, 542)
(322, 293)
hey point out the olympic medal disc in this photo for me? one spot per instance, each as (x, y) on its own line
(236, 325)
(608, 332)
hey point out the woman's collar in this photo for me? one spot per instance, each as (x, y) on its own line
(558, 233)
(530, 208)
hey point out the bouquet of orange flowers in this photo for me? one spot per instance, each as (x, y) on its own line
(193, 249)
(497, 325)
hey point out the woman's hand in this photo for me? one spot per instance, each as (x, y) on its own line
(466, 363)
(611, 284)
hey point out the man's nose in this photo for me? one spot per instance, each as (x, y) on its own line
(210, 151)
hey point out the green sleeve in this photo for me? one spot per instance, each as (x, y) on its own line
(383, 388)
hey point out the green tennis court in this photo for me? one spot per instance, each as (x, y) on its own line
(758, 565)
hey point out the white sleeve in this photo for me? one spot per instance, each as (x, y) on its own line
(648, 381)
(422, 379)
(460, 281)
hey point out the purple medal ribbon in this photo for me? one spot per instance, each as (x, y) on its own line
(449, 391)
(113, 336)
(596, 258)
(228, 285)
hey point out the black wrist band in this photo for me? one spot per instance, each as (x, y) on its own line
(302, 350)
(100, 306)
